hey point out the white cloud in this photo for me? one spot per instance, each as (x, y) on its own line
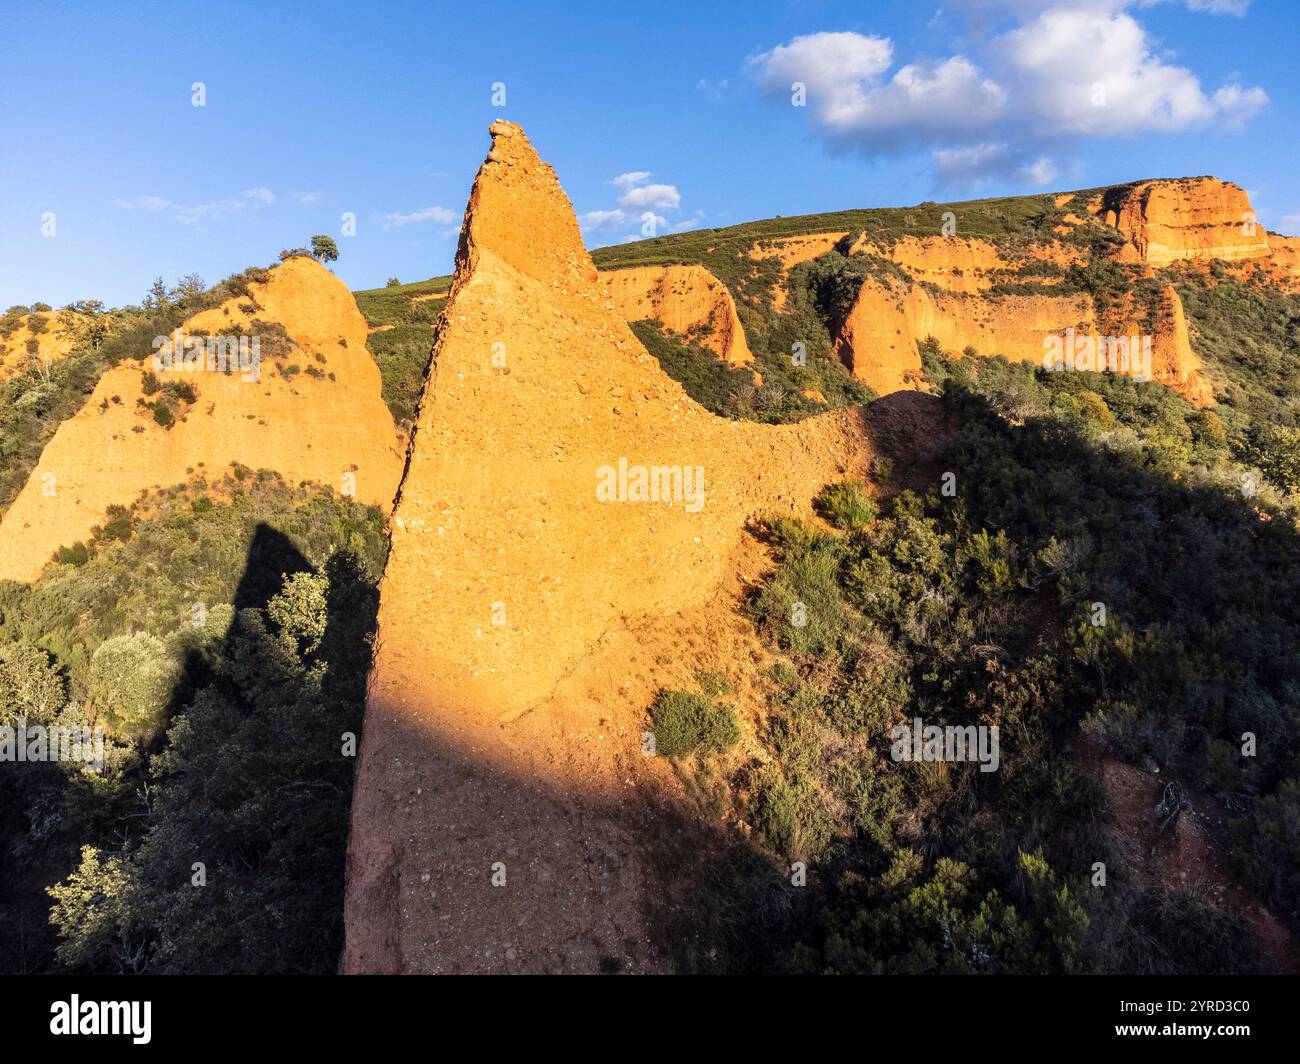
(1042, 171)
(307, 199)
(153, 204)
(1067, 70)
(1084, 73)
(1237, 105)
(1209, 7)
(425, 214)
(638, 205)
(601, 221)
(843, 77)
(632, 177)
(833, 67)
(651, 196)
(198, 213)
(967, 168)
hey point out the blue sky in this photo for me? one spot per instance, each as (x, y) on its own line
(381, 110)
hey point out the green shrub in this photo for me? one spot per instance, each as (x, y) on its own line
(77, 554)
(847, 505)
(801, 606)
(790, 816)
(714, 684)
(132, 678)
(180, 391)
(402, 354)
(687, 723)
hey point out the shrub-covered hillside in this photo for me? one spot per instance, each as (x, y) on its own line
(220, 632)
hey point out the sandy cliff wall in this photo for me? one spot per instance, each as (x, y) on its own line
(878, 339)
(792, 250)
(333, 428)
(687, 300)
(968, 266)
(1285, 253)
(1192, 218)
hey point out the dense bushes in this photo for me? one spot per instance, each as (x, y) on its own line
(402, 354)
(979, 609)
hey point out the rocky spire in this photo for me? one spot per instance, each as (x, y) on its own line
(525, 538)
(519, 213)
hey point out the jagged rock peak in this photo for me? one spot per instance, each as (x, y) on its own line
(519, 214)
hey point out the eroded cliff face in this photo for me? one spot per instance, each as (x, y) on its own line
(325, 421)
(507, 697)
(1191, 218)
(1284, 253)
(949, 288)
(1173, 362)
(790, 251)
(687, 300)
(878, 339)
(968, 266)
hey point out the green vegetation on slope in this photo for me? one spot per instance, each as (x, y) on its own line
(402, 338)
(35, 402)
(979, 608)
(222, 634)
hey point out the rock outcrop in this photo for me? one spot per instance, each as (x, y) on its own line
(968, 266)
(877, 341)
(1173, 362)
(1284, 251)
(687, 300)
(1191, 218)
(526, 545)
(315, 412)
(878, 338)
(792, 250)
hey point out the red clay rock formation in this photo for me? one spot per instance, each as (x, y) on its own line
(1173, 362)
(878, 339)
(329, 426)
(1285, 254)
(519, 570)
(1191, 218)
(958, 264)
(687, 300)
(792, 250)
